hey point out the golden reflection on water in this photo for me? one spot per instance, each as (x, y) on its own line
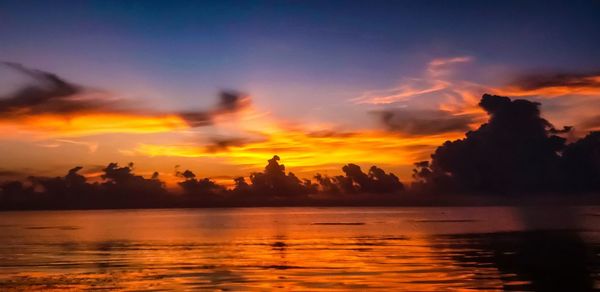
(409, 249)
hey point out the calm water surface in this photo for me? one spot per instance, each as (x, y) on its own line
(410, 249)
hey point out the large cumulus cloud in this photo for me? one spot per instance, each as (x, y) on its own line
(515, 152)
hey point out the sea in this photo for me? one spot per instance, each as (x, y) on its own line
(532, 248)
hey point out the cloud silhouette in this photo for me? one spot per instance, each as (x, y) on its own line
(557, 79)
(232, 101)
(50, 94)
(513, 152)
(229, 102)
(120, 187)
(356, 181)
(581, 164)
(223, 144)
(125, 188)
(424, 122)
(199, 189)
(275, 182)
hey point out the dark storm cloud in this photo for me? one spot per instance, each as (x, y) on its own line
(515, 152)
(512, 152)
(581, 164)
(424, 122)
(557, 79)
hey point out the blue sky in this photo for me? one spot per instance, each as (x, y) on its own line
(187, 49)
(308, 62)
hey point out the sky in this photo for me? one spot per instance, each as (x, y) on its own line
(220, 87)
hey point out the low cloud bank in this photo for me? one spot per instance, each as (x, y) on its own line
(122, 188)
(517, 153)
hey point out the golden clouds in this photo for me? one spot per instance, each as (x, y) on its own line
(434, 81)
(414, 118)
(408, 89)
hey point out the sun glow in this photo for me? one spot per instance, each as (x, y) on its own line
(314, 151)
(93, 124)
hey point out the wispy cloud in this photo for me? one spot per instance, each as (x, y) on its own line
(441, 89)
(434, 80)
(54, 107)
(409, 88)
(441, 66)
(414, 117)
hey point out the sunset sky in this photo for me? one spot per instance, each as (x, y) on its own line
(220, 87)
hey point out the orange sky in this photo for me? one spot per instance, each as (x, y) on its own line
(240, 141)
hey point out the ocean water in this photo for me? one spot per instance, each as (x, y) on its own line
(303, 249)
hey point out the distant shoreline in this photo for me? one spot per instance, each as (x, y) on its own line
(412, 201)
